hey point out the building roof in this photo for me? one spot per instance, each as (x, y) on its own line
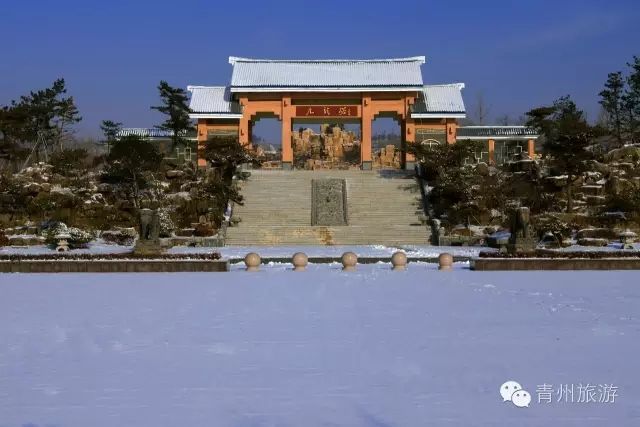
(267, 75)
(212, 102)
(496, 132)
(151, 133)
(440, 101)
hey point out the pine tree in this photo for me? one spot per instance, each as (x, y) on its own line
(612, 100)
(65, 115)
(631, 100)
(46, 117)
(110, 131)
(566, 139)
(174, 106)
(131, 163)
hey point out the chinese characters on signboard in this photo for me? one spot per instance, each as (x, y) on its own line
(327, 111)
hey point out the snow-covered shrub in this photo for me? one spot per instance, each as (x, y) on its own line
(4, 240)
(166, 223)
(75, 237)
(121, 236)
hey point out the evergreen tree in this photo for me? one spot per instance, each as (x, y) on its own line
(131, 163)
(566, 139)
(65, 115)
(110, 131)
(174, 107)
(226, 154)
(613, 103)
(631, 101)
(50, 114)
(42, 119)
(453, 180)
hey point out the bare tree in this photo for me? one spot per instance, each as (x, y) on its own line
(481, 109)
(504, 120)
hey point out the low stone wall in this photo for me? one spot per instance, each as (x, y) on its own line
(361, 260)
(113, 266)
(511, 264)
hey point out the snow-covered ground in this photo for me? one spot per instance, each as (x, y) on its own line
(320, 348)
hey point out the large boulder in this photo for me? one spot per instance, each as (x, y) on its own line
(594, 200)
(31, 189)
(593, 242)
(592, 190)
(597, 233)
(600, 167)
(629, 153)
(617, 185)
(174, 173)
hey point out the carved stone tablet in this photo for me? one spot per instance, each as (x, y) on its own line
(329, 202)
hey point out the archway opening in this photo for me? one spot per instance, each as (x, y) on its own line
(326, 144)
(386, 142)
(266, 140)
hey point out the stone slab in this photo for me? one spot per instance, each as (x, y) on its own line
(329, 202)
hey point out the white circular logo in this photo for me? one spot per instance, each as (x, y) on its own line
(521, 398)
(508, 388)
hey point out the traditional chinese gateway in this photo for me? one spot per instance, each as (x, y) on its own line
(338, 205)
(328, 91)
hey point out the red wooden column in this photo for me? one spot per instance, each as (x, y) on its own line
(492, 149)
(244, 134)
(409, 129)
(286, 116)
(531, 148)
(452, 130)
(202, 143)
(365, 145)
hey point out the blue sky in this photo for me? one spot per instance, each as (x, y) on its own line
(112, 54)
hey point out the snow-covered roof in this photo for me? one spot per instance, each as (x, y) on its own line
(213, 102)
(265, 75)
(440, 101)
(152, 133)
(496, 132)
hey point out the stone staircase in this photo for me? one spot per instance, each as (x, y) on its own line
(383, 208)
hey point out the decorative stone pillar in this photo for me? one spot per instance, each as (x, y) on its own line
(365, 144)
(287, 150)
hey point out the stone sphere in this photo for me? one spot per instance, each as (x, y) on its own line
(399, 260)
(349, 261)
(300, 261)
(445, 262)
(252, 260)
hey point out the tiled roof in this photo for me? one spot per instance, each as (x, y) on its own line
(496, 132)
(212, 100)
(439, 99)
(151, 133)
(330, 74)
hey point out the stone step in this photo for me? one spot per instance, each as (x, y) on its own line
(277, 210)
